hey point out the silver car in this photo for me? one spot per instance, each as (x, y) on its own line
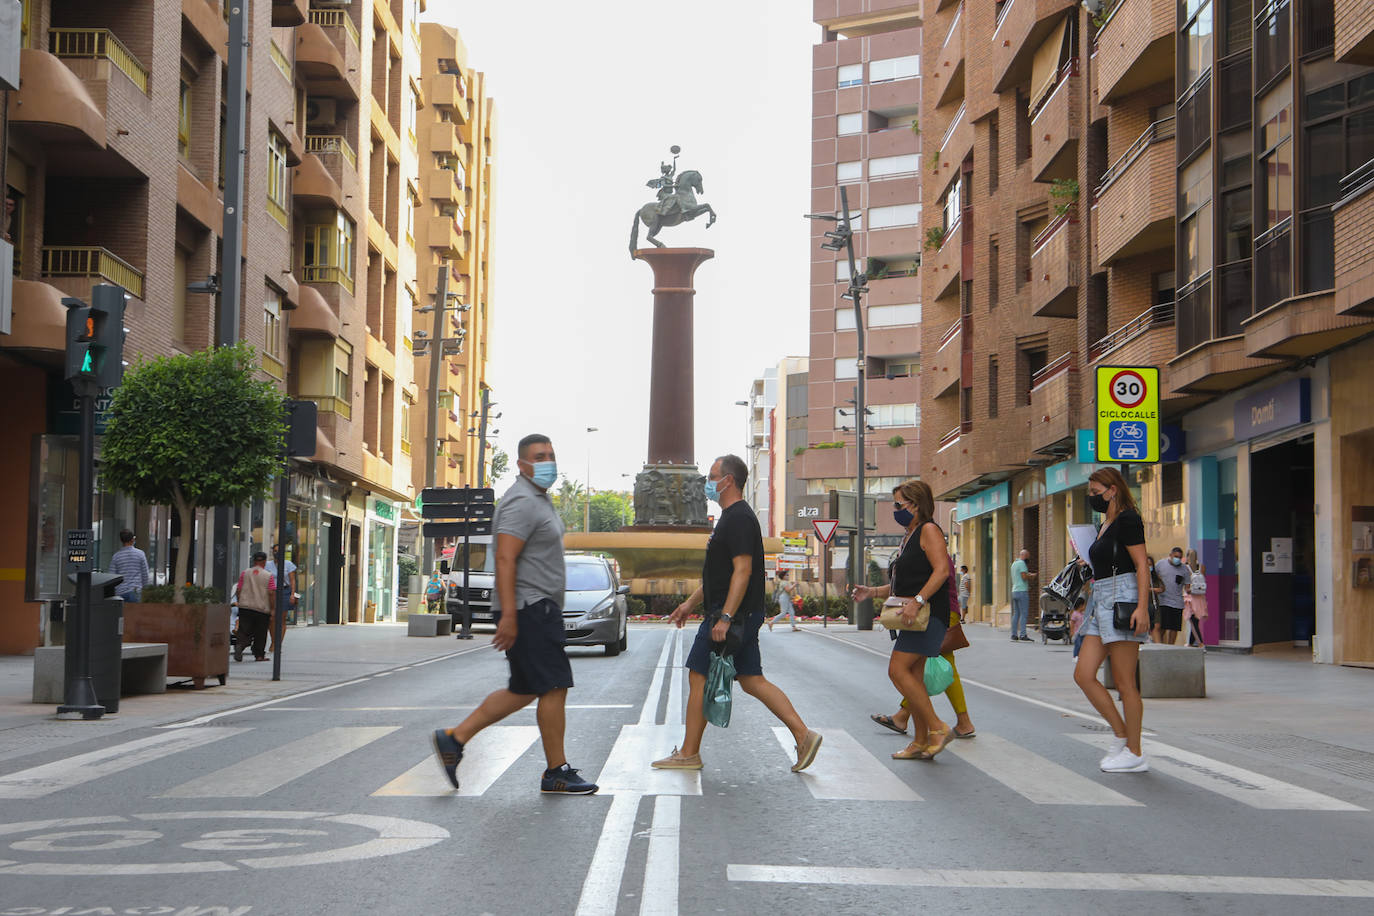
(594, 606)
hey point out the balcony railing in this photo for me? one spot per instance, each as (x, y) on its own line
(953, 25)
(950, 333)
(1069, 69)
(279, 58)
(63, 261)
(327, 274)
(329, 404)
(335, 19)
(1162, 129)
(1155, 316)
(950, 438)
(331, 144)
(1111, 14)
(1002, 14)
(1357, 182)
(954, 123)
(98, 43)
(1048, 232)
(1061, 365)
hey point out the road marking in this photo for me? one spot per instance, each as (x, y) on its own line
(1033, 777)
(39, 781)
(1245, 786)
(529, 708)
(660, 894)
(649, 714)
(673, 715)
(1052, 880)
(627, 769)
(845, 769)
(262, 773)
(601, 889)
(485, 759)
(210, 717)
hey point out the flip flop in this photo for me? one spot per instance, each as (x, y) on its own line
(886, 722)
(968, 734)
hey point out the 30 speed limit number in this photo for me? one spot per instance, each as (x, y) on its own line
(1128, 389)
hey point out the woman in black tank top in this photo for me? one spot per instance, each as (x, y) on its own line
(918, 574)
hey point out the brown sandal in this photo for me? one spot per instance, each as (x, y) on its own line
(913, 751)
(886, 722)
(940, 740)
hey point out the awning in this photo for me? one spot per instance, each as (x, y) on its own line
(996, 497)
(40, 318)
(1045, 66)
(313, 314)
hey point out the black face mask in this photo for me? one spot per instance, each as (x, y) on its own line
(1098, 502)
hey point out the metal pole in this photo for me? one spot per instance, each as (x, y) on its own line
(825, 569)
(587, 506)
(864, 612)
(231, 241)
(482, 437)
(436, 350)
(283, 581)
(80, 689)
(466, 632)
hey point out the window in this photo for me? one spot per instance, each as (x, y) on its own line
(1238, 25)
(880, 416)
(842, 271)
(849, 171)
(1276, 170)
(1271, 42)
(894, 68)
(407, 402)
(16, 199)
(847, 124)
(343, 371)
(328, 251)
(276, 176)
(271, 320)
(895, 215)
(345, 230)
(992, 387)
(25, 22)
(408, 318)
(883, 166)
(850, 75)
(994, 142)
(952, 205)
(184, 121)
(1195, 219)
(412, 106)
(900, 366)
(1195, 47)
(994, 252)
(879, 316)
(412, 203)
(846, 367)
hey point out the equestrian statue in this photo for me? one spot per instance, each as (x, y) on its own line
(676, 203)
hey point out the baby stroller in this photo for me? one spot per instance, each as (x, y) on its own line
(1059, 598)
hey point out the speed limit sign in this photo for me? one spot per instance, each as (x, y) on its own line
(1127, 414)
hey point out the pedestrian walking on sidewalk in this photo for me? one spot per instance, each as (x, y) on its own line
(1121, 576)
(732, 589)
(917, 573)
(256, 593)
(965, 592)
(1195, 602)
(1173, 576)
(528, 602)
(1021, 577)
(131, 563)
(783, 596)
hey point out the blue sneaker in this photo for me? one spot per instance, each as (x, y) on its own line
(449, 751)
(566, 781)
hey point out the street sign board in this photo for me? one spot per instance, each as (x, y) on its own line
(825, 528)
(451, 496)
(1127, 414)
(793, 563)
(794, 541)
(845, 510)
(789, 550)
(455, 510)
(79, 558)
(456, 529)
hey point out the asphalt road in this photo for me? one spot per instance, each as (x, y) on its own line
(331, 802)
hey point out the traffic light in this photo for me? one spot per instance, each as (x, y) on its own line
(95, 337)
(80, 336)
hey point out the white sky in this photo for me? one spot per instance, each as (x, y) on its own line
(590, 95)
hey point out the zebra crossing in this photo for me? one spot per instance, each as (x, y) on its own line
(846, 770)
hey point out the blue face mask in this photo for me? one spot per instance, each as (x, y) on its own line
(902, 516)
(713, 490)
(545, 473)
(1177, 561)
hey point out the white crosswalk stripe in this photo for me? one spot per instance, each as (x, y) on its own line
(490, 754)
(844, 769)
(261, 773)
(1033, 777)
(39, 781)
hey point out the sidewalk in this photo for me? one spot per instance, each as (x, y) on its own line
(313, 657)
(1277, 704)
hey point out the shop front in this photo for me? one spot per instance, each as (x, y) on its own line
(1351, 439)
(985, 536)
(380, 571)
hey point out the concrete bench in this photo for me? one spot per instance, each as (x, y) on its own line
(429, 625)
(1167, 671)
(142, 669)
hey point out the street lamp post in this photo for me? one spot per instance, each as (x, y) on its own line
(587, 508)
(841, 238)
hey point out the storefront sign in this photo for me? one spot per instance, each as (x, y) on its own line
(1273, 409)
(383, 509)
(1127, 426)
(1067, 474)
(65, 408)
(985, 501)
(1087, 447)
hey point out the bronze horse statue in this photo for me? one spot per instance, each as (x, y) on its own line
(671, 209)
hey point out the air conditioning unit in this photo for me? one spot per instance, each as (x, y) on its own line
(321, 115)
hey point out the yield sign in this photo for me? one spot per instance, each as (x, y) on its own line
(825, 529)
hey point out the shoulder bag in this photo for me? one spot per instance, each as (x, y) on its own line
(891, 616)
(954, 635)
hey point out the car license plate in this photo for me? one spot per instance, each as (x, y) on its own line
(570, 626)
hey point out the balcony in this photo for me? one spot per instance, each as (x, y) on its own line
(54, 102)
(1056, 269)
(1134, 48)
(207, 19)
(287, 13)
(1212, 357)
(894, 141)
(893, 98)
(1054, 128)
(336, 154)
(39, 318)
(442, 185)
(313, 315)
(948, 72)
(956, 143)
(327, 54)
(953, 471)
(446, 235)
(327, 274)
(443, 139)
(91, 265)
(894, 290)
(314, 186)
(1354, 32)
(1054, 406)
(942, 373)
(98, 45)
(1024, 25)
(1134, 205)
(447, 90)
(943, 265)
(1146, 340)
(1354, 215)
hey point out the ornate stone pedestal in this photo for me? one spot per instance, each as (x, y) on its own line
(670, 491)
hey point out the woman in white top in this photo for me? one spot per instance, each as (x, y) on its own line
(783, 596)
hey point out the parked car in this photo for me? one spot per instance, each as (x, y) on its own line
(594, 607)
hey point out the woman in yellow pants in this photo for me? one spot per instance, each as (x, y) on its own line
(963, 727)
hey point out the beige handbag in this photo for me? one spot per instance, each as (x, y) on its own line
(891, 616)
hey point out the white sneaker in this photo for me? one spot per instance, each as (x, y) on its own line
(1126, 762)
(1116, 747)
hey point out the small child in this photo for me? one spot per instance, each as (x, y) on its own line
(1076, 621)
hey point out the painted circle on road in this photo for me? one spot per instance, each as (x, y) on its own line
(1128, 389)
(73, 846)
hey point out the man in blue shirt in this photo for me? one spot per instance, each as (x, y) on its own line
(131, 563)
(1020, 596)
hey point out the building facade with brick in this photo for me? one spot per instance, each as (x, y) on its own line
(115, 167)
(1157, 184)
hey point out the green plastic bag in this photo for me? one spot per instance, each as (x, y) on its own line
(939, 675)
(716, 702)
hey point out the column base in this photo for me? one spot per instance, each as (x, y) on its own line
(670, 497)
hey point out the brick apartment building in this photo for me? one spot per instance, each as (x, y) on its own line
(1182, 185)
(866, 136)
(114, 169)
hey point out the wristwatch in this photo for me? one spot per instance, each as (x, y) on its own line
(726, 617)
(919, 600)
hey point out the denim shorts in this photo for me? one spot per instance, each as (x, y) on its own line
(1097, 617)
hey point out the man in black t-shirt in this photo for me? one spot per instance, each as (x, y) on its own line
(733, 589)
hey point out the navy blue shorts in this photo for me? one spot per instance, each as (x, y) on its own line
(538, 662)
(747, 659)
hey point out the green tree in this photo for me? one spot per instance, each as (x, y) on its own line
(611, 510)
(194, 430)
(567, 500)
(500, 463)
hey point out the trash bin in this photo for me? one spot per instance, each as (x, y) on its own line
(106, 640)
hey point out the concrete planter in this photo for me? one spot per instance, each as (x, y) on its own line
(197, 636)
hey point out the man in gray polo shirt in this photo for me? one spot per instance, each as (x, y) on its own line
(529, 606)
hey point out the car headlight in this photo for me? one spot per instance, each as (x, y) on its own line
(603, 610)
